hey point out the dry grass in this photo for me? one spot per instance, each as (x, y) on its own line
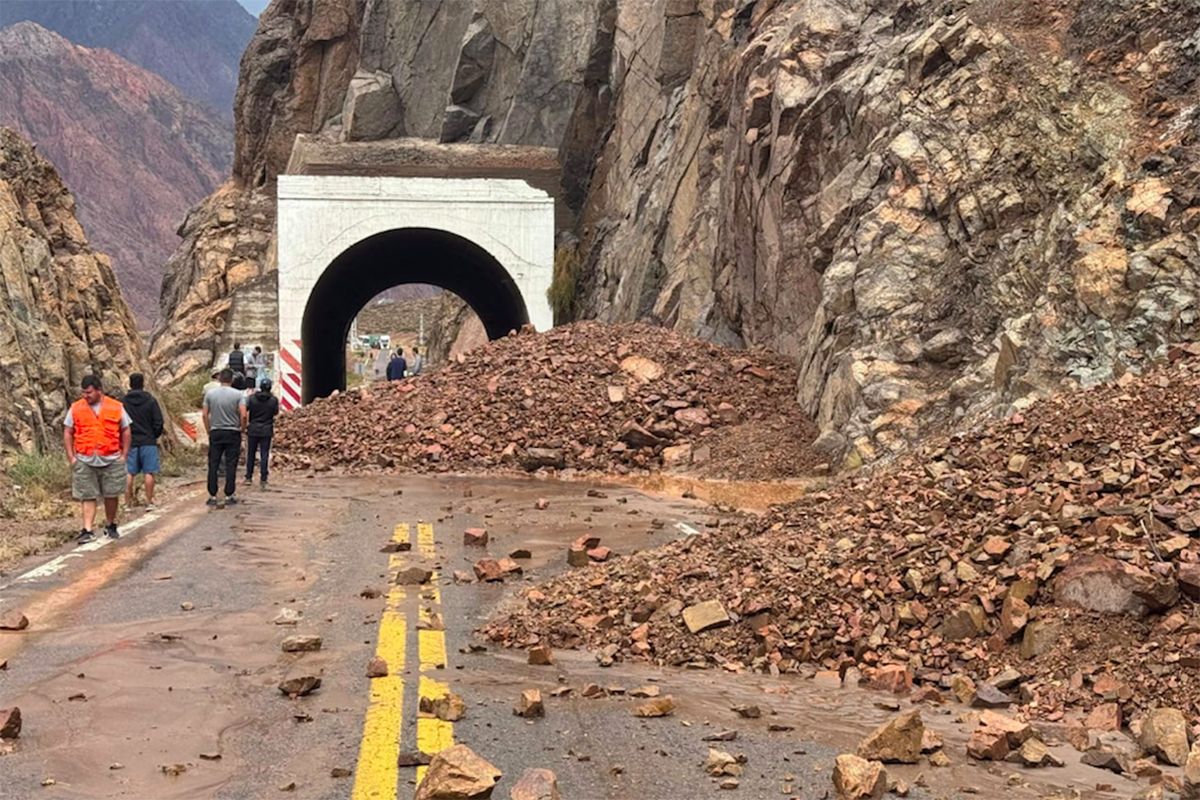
(38, 487)
(35, 505)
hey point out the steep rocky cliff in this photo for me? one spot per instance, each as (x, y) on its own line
(934, 207)
(219, 283)
(133, 149)
(61, 311)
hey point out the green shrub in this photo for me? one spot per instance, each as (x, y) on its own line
(186, 396)
(564, 288)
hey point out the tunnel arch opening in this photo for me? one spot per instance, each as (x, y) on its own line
(393, 258)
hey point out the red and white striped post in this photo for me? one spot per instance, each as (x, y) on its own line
(290, 375)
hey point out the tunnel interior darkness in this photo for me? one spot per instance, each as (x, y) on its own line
(392, 258)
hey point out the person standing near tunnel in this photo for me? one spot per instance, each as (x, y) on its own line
(224, 418)
(261, 410)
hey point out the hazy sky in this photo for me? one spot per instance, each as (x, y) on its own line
(255, 7)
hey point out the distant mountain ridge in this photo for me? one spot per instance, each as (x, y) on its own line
(133, 149)
(194, 45)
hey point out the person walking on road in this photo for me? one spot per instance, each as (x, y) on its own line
(224, 418)
(397, 366)
(414, 366)
(146, 426)
(96, 435)
(261, 410)
(237, 359)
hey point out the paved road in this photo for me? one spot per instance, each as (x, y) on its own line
(126, 694)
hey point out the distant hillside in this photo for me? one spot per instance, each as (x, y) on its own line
(194, 45)
(135, 152)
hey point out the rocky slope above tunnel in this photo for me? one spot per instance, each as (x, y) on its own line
(61, 311)
(934, 207)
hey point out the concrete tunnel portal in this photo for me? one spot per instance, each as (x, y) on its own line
(355, 219)
(392, 258)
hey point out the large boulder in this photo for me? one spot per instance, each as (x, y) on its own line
(856, 778)
(458, 773)
(372, 108)
(1099, 583)
(895, 741)
(1164, 734)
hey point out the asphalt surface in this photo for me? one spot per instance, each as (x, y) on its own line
(151, 667)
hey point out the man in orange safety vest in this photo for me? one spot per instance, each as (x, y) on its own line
(96, 435)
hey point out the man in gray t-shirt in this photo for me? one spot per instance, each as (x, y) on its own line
(224, 416)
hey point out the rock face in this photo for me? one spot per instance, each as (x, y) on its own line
(134, 150)
(909, 198)
(886, 200)
(61, 311)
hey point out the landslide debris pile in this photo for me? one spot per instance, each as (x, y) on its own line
(586, 396)
(1062, 542)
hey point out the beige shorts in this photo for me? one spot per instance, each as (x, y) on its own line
(93, 483)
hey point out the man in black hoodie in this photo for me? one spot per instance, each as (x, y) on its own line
(261, 409)
(147, 426)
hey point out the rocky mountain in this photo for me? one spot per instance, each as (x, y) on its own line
(61, 311)
(135, 151)
(195, 46)
(936, 208)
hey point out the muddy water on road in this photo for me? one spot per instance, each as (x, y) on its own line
(128, 683)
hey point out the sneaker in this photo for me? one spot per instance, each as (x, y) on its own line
(84, 536)
(231, 500)
(110, 530)
(212, 501)
(151, 506)
(262, 484)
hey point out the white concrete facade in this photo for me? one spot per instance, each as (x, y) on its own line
(321, 216)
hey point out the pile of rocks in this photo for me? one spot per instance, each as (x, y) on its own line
(1053, 553)
(586, 396)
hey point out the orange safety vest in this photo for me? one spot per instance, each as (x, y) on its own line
(97, 434)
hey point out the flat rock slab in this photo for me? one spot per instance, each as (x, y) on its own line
(705, 616)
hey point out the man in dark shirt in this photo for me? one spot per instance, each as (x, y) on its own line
(237, 359)
(261, 409)
(147, 426)
(397, 366)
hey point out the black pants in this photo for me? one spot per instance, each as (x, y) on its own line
(227, 446)
(257, 445)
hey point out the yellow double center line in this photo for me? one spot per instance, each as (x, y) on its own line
(433, 734)
(378, 772)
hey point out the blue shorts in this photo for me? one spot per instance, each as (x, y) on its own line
(142, 459)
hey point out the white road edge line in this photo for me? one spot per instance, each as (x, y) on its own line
(687, 529)
(57, 563)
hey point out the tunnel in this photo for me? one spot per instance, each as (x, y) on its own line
(392, 258)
